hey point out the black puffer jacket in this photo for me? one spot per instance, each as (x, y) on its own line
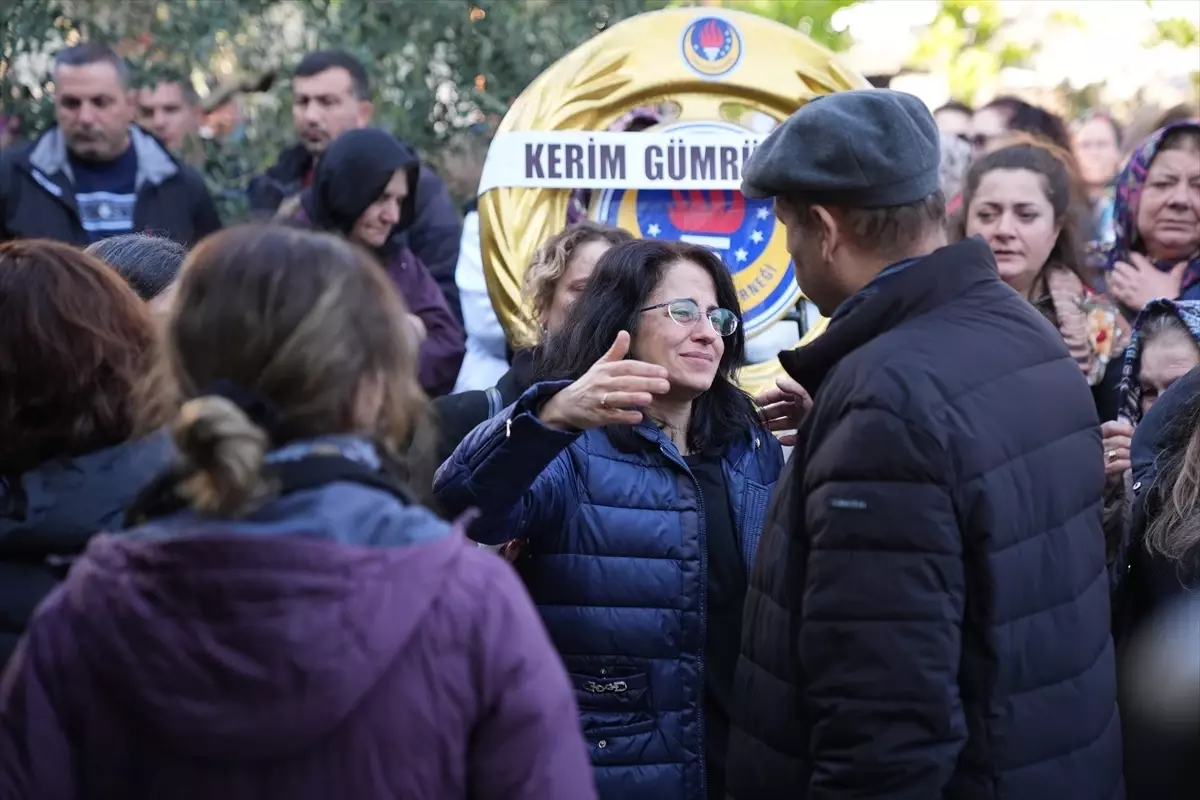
(37, 196)
(48, 514)
(929, 612)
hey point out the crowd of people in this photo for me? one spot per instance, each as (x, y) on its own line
(284, 514)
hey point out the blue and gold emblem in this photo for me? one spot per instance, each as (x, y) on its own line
(712, 46)
(742, 232)
(729, 71)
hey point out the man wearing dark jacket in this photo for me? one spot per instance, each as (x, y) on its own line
(95, 174)
(331, 95)
(929, 613)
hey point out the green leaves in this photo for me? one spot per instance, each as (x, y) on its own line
(967, 42)
(437, 66)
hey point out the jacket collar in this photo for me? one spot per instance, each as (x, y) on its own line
(291, 165)
(155, 164)
(931, 282)
(734, 457)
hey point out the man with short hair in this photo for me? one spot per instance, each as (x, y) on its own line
(331, 95)
(170, 109)
(96, 174)
(928, 615)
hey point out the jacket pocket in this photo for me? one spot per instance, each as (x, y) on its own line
(614, 704)
(756, 498)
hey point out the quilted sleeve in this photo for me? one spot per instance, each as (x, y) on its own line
(513, 469)
(880, 639)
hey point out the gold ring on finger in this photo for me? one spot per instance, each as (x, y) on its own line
(604, 400)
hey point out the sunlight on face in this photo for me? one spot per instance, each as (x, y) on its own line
(1011, 211)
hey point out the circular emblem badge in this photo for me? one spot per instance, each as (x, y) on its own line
(742, 232)
(712, 46)
(759, 70)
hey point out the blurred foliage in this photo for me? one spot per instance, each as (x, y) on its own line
(966, 42)
(1179, 31)
(438, 66)
(814, 18)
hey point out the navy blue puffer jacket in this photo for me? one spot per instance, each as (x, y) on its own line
(617, 569)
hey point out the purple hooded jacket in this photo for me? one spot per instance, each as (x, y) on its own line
(336, 644)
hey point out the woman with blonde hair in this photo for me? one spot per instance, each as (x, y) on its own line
(283, 620)
(556, 276)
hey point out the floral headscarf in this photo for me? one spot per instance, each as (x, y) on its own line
(1188, 312)
(1125, 206)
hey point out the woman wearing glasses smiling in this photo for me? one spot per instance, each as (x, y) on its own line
(640, 476)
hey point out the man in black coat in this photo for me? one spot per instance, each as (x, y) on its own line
(331, 94)
(929, 610)
(95, 174)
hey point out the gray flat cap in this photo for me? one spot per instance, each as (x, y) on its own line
(867, 148)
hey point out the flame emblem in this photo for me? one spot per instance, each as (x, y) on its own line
(712, 46)
(715, 215)
(712, 38)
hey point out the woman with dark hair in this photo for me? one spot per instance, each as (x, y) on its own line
(283, 619)
(1009, 114)
(75, 344)
(1156, 221)
(1019, 199)
(364, 189)
(640, 475)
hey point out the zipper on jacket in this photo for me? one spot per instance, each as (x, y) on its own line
(702, 689)
(70, 206)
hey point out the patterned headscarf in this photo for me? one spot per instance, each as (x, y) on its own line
(1188, 312)
(1125, 206)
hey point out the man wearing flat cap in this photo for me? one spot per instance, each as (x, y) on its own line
(928, 616)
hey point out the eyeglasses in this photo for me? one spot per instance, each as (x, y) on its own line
(686, 312)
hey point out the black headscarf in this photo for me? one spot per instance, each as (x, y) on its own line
(352, 173)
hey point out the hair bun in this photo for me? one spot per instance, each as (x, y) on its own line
(225, 451)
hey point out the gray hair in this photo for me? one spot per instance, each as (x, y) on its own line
(149, 264)
(92, 53)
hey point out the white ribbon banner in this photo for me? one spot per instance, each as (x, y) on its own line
(602, 160)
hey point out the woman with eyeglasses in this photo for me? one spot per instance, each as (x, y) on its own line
(639, 475)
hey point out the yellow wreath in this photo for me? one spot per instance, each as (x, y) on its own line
(760, 72)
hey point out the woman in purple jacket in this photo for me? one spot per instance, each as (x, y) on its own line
(282, 620)
(364, 188)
